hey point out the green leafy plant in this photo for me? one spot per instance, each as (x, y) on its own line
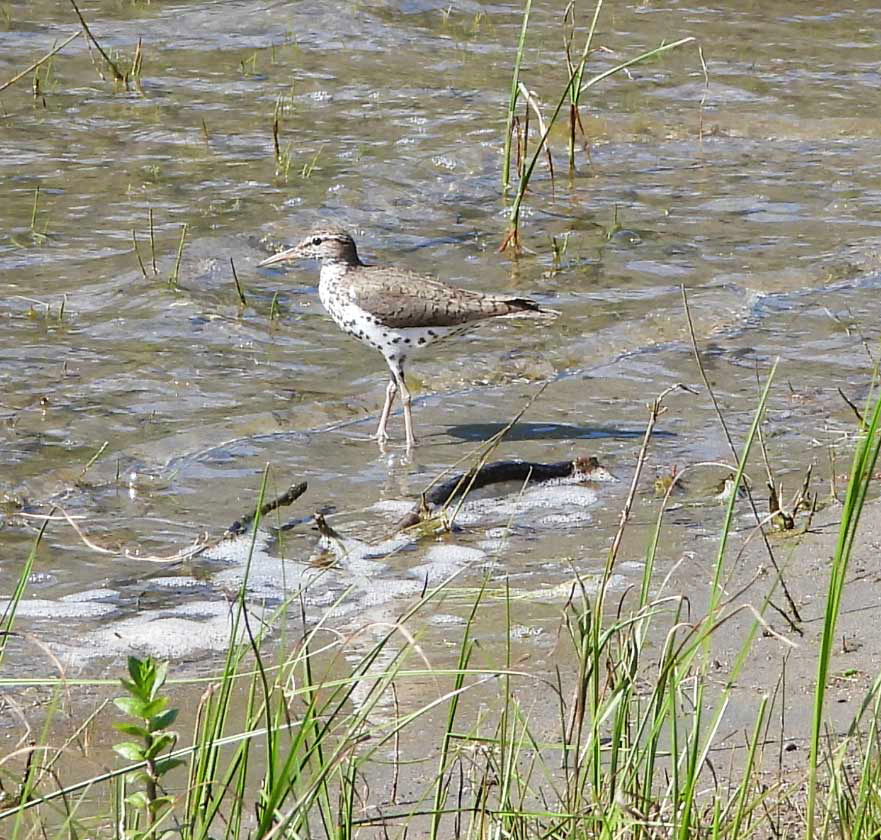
(144, 703)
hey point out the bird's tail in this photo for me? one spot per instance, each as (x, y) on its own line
(528, 308)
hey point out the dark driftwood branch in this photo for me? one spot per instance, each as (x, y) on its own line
(290, 495)
(484, 451)
(495, 472)
(39, 61)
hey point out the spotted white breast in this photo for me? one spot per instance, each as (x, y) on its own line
(393, 342)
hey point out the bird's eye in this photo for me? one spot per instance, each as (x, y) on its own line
(316, 240)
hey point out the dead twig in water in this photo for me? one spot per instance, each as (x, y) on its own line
(235, 278)
(138, 254)
(859, 415)
(288, 497)
(117, 74)
(656, 409)
(175, 275)
(531, 102)
(201, 544)
(152, 244)
(724, 425)
(40, 61)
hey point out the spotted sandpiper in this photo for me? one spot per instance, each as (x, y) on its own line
(395, 310)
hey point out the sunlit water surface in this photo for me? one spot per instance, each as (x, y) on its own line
(757, 188)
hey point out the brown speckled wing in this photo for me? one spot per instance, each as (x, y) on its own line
(401, 299)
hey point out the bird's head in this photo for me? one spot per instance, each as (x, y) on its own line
(328, 245)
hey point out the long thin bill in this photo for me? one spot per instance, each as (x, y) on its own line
(281, 256)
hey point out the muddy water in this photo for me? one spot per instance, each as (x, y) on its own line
(759, 190)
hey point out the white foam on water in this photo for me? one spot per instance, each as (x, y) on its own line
(497, 533)
(568, 502)
(398, 507)
(564, 520)
(441, 561)
(522, 631)
(559, 495)
(355, 554)
(320, 598)
(495, 540)
(386, 590)
(443, 619)
(173, 634)
(90, 595)
(361, 579)
(44, 608)
(269, 576)
(236, 549)
(492, 546)
(459, 555)
(178, 582)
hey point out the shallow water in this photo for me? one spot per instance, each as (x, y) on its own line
(758, 191)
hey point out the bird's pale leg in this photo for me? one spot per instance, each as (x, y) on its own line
(406, 399)
(390, 393)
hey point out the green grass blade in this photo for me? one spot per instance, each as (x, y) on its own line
(864, 462)
(512, 101)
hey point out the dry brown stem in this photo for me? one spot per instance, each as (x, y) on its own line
(38, 62)
(727, 433)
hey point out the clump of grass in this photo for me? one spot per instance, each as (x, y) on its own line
(137, 65)
(134, 70)
(865, 461)
(289, 747)
(41, 310)
(576, 71)
(573, 90)
(174, 277)
(284, 157)
(38, 233)
(309, 166)
(248, 66)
